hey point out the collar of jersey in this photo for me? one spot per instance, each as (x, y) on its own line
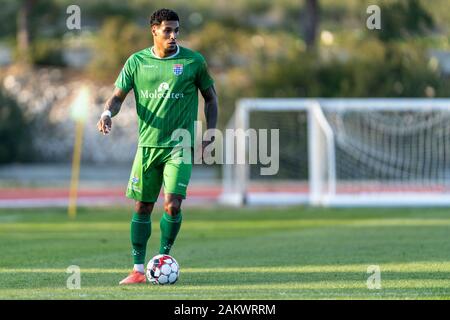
(172, 56)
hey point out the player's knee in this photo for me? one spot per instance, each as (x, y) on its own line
(143, 207)
(173, 207)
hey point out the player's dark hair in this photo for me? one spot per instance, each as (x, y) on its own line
(163, 15)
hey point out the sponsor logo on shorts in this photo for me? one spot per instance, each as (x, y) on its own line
(182, 184)
(134, 188)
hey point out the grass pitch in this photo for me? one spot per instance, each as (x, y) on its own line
(295, 253)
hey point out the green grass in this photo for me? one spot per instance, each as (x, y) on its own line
(295, 253)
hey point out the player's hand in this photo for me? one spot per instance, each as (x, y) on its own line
(104, 124)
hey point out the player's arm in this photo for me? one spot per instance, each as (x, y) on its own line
(211, 104)
(211, 107)
(112, 107)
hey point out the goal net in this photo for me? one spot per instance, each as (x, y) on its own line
(345, 152)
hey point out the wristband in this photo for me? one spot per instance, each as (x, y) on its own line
(106, 113)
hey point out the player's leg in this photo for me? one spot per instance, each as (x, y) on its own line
(170, 222)
(177, 174)
(141, 229)
(144, 187)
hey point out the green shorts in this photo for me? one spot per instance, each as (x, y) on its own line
(153, 167)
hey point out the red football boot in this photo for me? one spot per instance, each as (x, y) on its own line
(134, 277)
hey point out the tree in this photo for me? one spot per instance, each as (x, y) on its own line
(15, 138)
(310, 22)
(404, 19)
(23, 31)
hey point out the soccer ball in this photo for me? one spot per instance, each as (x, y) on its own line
(162, 269)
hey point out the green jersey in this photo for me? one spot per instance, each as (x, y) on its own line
(166, 93)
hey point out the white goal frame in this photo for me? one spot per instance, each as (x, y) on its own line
(321, 155)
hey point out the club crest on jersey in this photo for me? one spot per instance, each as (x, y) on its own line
(177, 69)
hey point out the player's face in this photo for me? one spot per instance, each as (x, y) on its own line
(165, 35)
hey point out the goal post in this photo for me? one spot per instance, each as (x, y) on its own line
(322, 170)
(346, 152)
(234, 175)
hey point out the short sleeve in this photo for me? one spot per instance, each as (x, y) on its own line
(125, 79)
(203, 79)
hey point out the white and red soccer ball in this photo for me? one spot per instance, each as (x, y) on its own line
(162, 269)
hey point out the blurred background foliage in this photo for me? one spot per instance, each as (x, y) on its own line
(15, 139)
(254, 48)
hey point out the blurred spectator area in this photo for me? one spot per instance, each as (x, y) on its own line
(5, 55)
(262, 48)
(56, 175)
(442, 59)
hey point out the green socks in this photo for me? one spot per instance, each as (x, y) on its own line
(141, 231)
(169, 229)
(141, 228)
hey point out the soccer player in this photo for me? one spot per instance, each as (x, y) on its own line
(165, 79)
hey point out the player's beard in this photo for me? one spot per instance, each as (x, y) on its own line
(171, 48)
